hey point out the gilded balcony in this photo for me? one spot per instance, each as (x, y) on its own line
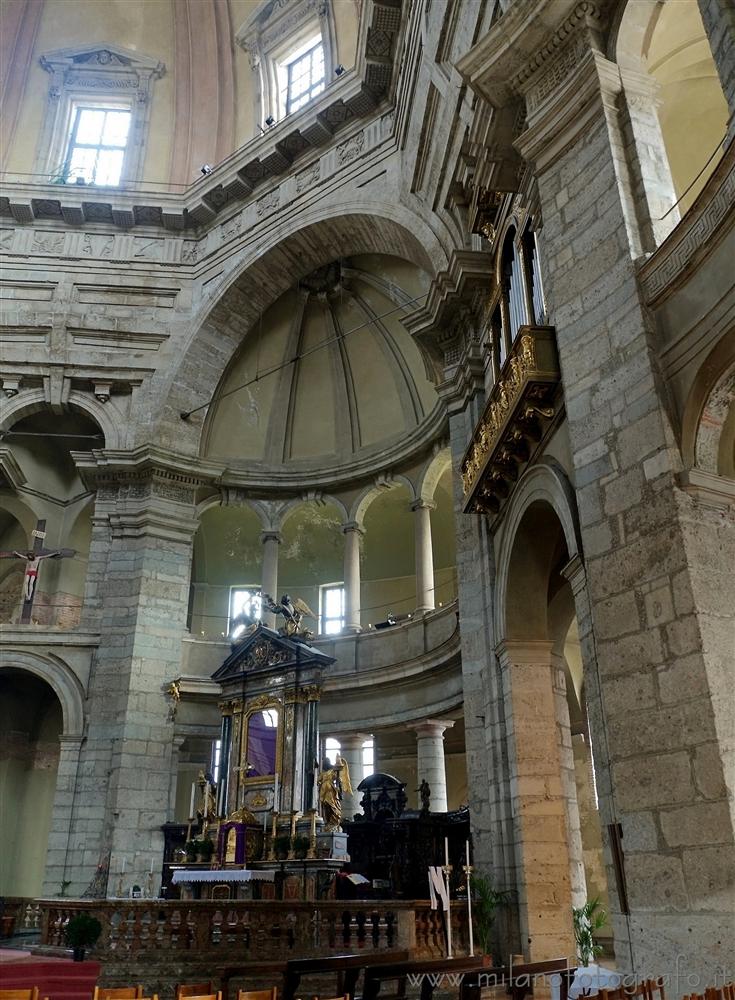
(523, 408)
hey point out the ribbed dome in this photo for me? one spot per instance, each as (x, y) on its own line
(338, 376)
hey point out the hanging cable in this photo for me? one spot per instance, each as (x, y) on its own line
(298, 357)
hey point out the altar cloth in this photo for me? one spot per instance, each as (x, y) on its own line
(223, 875)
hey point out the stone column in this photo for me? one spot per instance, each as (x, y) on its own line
(538, 804)
(351, 750)
(719, 23)
(269, 573)
(658, 561)
(430, 760)
(58, 849)
(123, 783)
(424, 555)
(352, 531)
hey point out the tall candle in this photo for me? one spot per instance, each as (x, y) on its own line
(446, 851)
(469, 899)
(276, 790)
(265, 823)
(151, 868)
(191, 804)
(125, 861)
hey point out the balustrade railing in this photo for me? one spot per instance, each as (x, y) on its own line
(259, 930)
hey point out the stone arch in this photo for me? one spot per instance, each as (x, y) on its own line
(60, 679)
(33, 401)
(322, 499)
(264, 271)
(708, 424)
(432, 473)
(545, 482)
(364, 500)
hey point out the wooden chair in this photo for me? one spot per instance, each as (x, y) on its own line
(653, 989)
(205, 996)
(31, 994)
(193, 990)
(118, 993)
(271, 994)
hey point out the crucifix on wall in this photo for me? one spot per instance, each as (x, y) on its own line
(33, 559)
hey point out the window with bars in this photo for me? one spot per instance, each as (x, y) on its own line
(331, 608)
(97, 144)
(304, 74)
(243, 601)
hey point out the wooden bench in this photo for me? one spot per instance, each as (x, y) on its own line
(347, 969)
(518, 980)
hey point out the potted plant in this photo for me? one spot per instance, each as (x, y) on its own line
(206, 849)
(485, 901)
(587, 920)
(300, 846)
(281, 844)
(82, 931)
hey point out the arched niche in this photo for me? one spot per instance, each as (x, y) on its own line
(41, 442)
(668, 42)
(708, 422)
(327, 378)
(31, 722)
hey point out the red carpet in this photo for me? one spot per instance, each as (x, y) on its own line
(56, 978)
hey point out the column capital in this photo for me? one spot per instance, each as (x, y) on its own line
(575, 573)
(351, 741)
(422, 504)
(70, 741)
(356, 526)
(270, 535)
(430, 727)
(510, 651)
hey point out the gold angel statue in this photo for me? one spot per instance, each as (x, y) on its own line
(334, 782)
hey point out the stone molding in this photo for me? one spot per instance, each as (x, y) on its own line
(711, 216)
(431, 728)
(510, 651)
(711, 490)
(11, 474)
(236, 178)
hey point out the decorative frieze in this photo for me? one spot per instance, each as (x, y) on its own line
(523, 400)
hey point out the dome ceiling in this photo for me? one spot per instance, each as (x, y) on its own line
(330, 375)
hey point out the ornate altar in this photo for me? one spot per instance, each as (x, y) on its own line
(269, 771)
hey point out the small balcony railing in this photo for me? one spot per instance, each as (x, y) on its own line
(519, 415)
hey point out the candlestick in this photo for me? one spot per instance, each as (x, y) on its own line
(149, 883)
(311, 853)
(468, 878)
(119, 887)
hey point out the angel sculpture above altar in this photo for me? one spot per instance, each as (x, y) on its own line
(293, 611)
(333, 783)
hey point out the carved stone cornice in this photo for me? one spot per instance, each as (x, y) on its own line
(354, 95)
(441, 325)
(11, 474)
(711, 216)
(523, 401)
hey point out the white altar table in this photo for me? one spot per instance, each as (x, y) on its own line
(223, 875)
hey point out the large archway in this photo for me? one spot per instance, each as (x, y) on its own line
(31, 722)
(556, 826)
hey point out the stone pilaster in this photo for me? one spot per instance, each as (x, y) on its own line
(568, 784)
(718, 17)
(424, 555)
(353, 532)
(269, 573)
(538, 801)
(59, 849)
(656, 682)
(430, 764)
(125, 773)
